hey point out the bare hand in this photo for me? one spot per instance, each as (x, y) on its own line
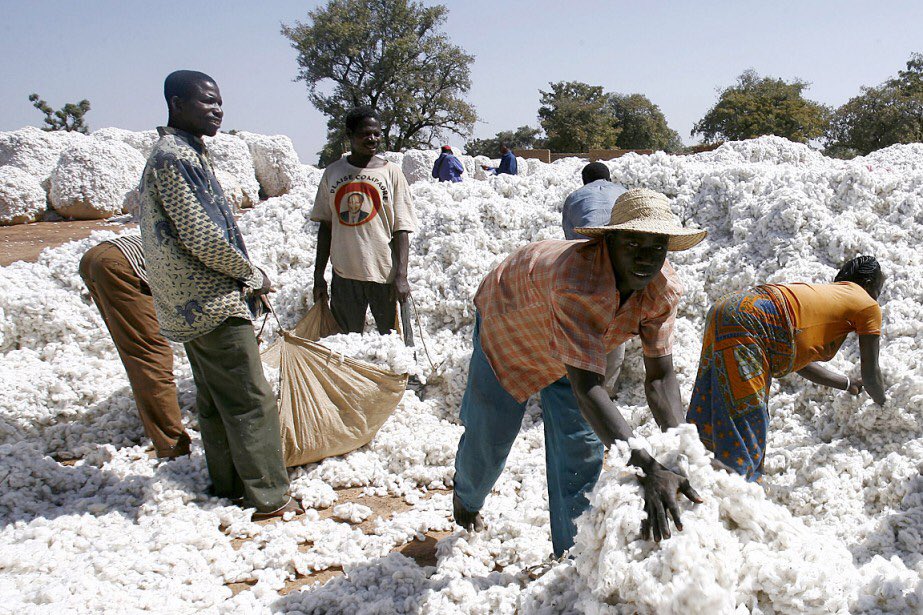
(266, 287)
(401, 288)
(660, 488)
(855, 386)
(320, 290)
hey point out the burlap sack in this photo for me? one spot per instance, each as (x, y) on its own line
(329, 404)
(317, 323)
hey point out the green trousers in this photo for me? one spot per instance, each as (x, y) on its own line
(238, 417)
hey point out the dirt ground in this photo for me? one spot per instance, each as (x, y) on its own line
(25, 242)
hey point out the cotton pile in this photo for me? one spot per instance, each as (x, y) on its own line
(837, 528)
(89, 177)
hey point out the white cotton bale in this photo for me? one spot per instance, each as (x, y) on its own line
(94, 179)
(36, 151)
(395, 157)
(22, 198)
(231, 155)
(275, 161)
(469, 164)
(143, 142)
(417, 165)
(233, 191)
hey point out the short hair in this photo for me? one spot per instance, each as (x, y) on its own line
(594, 171)
(181, 83)
(356, 116)
(505, 144)
(862, 270)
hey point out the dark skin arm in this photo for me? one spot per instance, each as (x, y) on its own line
(400, 254)
(660, 484)
(871, 373)
(320, 263)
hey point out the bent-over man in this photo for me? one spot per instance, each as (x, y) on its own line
(546, 317)
(116, 277)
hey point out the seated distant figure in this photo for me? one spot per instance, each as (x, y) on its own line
(591, 206)
(447, 167)
(766, 332)
(507, 162)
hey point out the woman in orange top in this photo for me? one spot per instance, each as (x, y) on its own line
(772, 330)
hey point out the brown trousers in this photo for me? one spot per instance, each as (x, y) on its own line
(127, 308)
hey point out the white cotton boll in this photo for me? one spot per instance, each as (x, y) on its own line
(22, 198)
(94, 179)
(352, 512)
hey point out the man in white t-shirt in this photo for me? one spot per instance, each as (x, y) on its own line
(366, 216)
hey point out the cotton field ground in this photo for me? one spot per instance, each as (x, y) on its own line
(837, 528)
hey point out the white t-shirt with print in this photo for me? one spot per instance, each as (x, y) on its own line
(364, 207)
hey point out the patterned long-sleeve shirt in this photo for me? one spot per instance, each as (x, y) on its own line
(197, 264)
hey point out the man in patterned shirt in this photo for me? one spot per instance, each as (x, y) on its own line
(116, 277)
(201, 279)
(546, 317)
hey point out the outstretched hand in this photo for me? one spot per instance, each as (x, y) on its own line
(660, 488)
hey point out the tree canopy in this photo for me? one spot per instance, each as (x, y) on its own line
(880, 116)
(391, 56)
(757, 106)
(69, 117)
(643, 124)
(576, 117)
(524, 137)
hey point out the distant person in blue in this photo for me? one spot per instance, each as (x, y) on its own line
(507, 163)
(588, 206)
(447, 167)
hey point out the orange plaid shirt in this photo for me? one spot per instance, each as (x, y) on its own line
(554, 303)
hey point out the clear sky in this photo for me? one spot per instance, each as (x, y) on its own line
(117, 52)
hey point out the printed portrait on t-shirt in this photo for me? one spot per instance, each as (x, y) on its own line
(356, 203)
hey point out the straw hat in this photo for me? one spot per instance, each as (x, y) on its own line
(645, 211)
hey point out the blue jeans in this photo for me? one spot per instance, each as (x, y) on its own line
(492, 419)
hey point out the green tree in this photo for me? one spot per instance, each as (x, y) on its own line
(880, 116)
(757, 106)
(69, 117)
(576, 117)
(391, 56)
(643, 124)
(524, 137)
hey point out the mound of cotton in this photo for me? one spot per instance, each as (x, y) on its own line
(844, 500)
(737, 549)
(35, 151)
(93, 179)
(276, 164)
(22, 198)
(231, 155)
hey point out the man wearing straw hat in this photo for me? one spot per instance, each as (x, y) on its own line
(546, 317)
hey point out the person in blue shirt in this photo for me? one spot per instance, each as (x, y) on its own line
(589, 206)
(507, 163)
(447, 167)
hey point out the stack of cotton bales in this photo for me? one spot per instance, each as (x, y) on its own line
(96, 176)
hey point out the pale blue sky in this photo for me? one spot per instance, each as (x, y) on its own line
(117, 52)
